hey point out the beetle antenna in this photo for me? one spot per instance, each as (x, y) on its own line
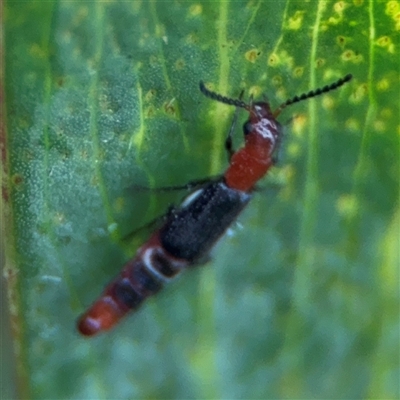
(313, 93)
(220, 98)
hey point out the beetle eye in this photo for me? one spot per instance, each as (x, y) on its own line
(247, 127)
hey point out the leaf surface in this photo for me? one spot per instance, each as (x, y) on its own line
(302, 300)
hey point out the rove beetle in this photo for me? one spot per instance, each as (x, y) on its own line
(189, 231)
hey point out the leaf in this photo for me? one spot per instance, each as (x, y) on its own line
(300, 302)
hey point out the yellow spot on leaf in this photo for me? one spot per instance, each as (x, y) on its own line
(295, 22)
(334, 20)
(37, 51)
(281, 94)
(192, 38)
(352, 124)
(383, 85)
(388, 271)
(298, 72)
(341, 41)
(392, 8)
(160, 30)
(360, 92)
(347, 205)
(273, 60)
(288, 172)
(386, 113)
(328, 102)
(299, 124)
(347, 55)
(284, 59)
(195, 9)
(255, 91)
(180, 64)
(149, 95)
(149, 112)
(82, 13)
(384, 41)
(350, 55)
(138, 139)
(294, 150)
(324, 27)
(277, 80)
(379, 126)
(358, 59)
(339, 6)
(169, 107)
(252, 55)
(17, 180)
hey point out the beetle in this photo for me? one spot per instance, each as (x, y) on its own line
(189, 231)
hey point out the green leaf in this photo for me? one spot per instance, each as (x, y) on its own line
(302, 300)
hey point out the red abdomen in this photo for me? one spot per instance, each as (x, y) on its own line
(140, 278)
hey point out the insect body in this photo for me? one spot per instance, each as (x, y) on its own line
(189, 232)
